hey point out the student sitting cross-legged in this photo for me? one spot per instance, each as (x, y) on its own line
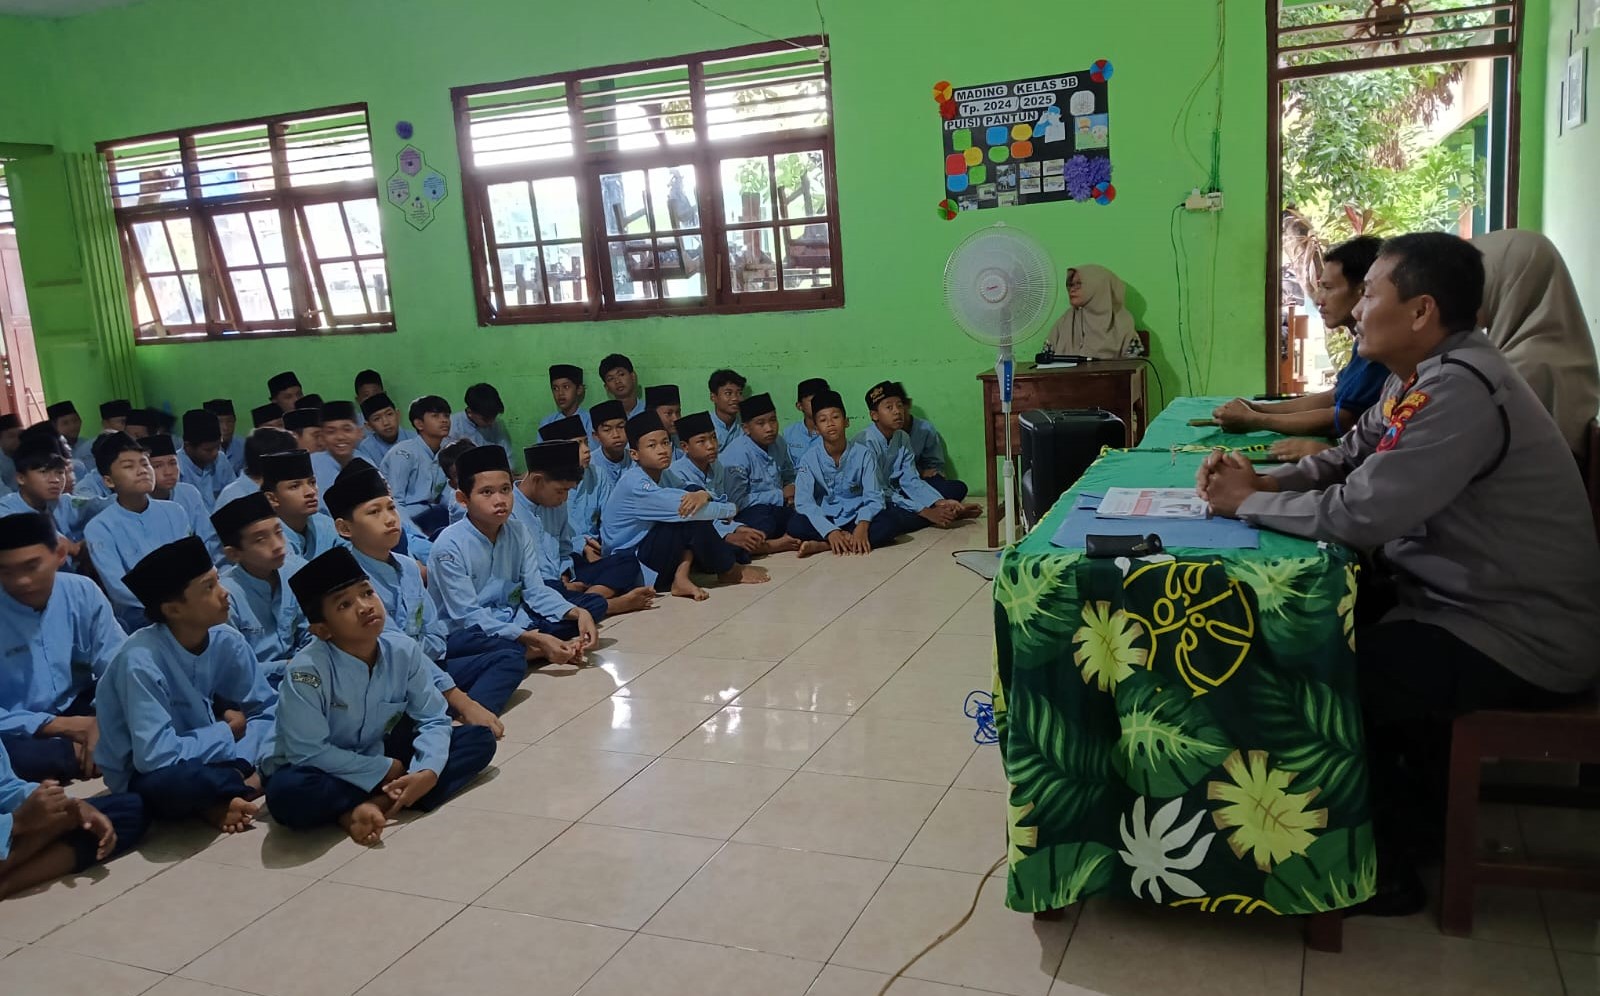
(57, 636)
(585, 500)
(412, 465)
(260, 605)
(756, 462)
(362, 731)
(567, 391)
(42, 468)
(802, 435)
(45, 833)
(838, 489)
(383, 428)
(185, 714)
(668, 529)
(699, 470)
(133, 525)
(913, 503)
(477, 673)
(291, 486)
(170, 486)
(484, 570)
(605, 586)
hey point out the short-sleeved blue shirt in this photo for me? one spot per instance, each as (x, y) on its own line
(1356, 390)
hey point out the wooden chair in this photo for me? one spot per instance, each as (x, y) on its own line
(1571, 735)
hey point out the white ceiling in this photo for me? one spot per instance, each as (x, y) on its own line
(57, 8)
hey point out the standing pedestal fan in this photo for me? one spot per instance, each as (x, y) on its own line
(1000, 287)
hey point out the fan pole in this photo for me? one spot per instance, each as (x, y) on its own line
(1004, 372)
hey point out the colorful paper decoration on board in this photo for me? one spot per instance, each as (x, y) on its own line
(415, 187)
(948, 209)
(403, 129)
(1031, 141)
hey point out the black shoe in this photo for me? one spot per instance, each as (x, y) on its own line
(1398, 894)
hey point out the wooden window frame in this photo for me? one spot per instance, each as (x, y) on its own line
(223, 321)
(586, 166)
(1506, 43)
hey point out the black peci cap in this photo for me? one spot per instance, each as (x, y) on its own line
(59, 409)
(9, 421)
(642, 424)
(881, 390)
(116, 408)
(160, 445)
(201, 426)
(695, 424)
(219, 406)
(570, 427)
(27, 529)
(661, 394)
(351, 490)
(375, 404)
(260, 415)
(567, 371)
(607, 411)
(167, 570)
(826, 399)
(281, 382)
(302, 419)
(480, 460)
(756, 406)
(338, 411)
(558, 460)
(290, 465)
(333, 571)
(238, 515)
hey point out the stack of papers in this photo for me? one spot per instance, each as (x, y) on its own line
(1204, 534)
(1152, 503)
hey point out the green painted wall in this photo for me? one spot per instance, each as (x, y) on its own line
(1572, 209)
(27, 112)
(168, 63)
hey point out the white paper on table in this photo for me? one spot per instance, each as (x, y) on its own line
(1151, 503)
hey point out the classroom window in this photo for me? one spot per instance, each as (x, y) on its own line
(250, 230)
(7, 219)
(687, 185)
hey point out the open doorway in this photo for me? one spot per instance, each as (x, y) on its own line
(24, 387)
(1385, 118)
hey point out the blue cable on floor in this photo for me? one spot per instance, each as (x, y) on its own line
(980, 707)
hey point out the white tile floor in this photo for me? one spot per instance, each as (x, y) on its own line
(774, 793)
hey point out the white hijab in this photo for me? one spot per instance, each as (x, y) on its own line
(1533, 316)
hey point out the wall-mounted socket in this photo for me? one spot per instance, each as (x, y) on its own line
(1197, 201)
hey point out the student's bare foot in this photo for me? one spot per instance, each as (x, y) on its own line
(745, 575)
(636, 600)
(547, 647)
(364, 823)
(233, 816)
(970, 511)
(684, 588)
(810, 548)
(783, 544)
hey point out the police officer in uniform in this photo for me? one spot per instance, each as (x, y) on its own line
(1484, 587)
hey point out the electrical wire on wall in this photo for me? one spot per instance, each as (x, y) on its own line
(822, 21)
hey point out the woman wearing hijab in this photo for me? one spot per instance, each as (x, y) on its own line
(1098, 325)
(1532, 314)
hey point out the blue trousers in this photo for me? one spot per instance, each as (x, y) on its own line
(881, 532)
(302, 797)
(617, 571)
(663, 547)
(126, 812)
(35, 759)
(772, 521)
(488, 668)
(594, 603)
(431, 520)
(948, 488)
(184, 789)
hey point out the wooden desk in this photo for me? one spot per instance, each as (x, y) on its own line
(1115, 385)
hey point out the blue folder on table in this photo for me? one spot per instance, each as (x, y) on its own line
(1211, 534)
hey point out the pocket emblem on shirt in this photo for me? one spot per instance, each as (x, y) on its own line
(306, 678)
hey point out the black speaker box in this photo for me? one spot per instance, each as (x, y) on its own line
(1057, 447)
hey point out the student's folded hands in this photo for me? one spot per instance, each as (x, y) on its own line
(408, 788)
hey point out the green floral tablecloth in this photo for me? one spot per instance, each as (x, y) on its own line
(1185, 732)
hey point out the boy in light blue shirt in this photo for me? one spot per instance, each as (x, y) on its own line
(484, 570)
(477, 674)
(912, 502)
(45, 833)
(57, 636)
(367, 384)
(171, 487)
(184, 714)
(568, 391)
(305, 423)
(412, 465)
(383, 428)
(699, 470)
(284, 390)
(757, 463)
(42, 471)
(131, 526)
(609, 454)
(622, 384)
(68, 424)
(261, 442)
(362, 731)
(201, 461)
(585, 500)
(232, 441)
(257, 578)
(604, 586)
(665, 401)
(838, 489)
(448, 455)
(341, 437)
(668, 529)
(727, 390)
(290, 485)
(800, 436)
(927, 450)
(479, 420)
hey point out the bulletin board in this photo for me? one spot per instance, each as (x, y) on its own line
(1031, 141)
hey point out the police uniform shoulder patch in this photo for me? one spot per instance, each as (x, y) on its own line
(306, 678)
(1399, 411)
